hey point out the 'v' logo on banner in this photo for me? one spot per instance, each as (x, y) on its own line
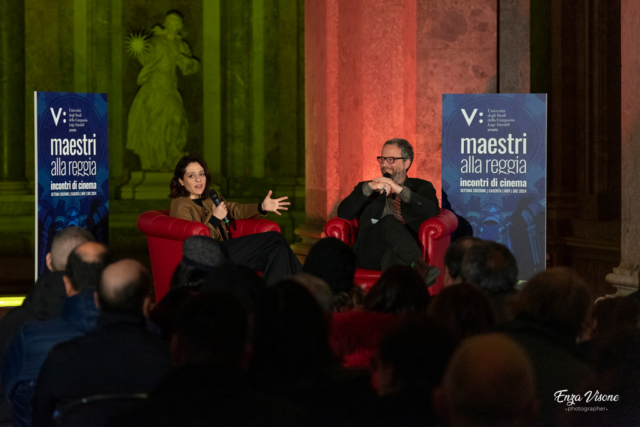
(466, 117)
(56, 118)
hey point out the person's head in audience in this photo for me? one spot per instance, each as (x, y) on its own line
(200, 256)
(318, 288)
(557, 299)
(290, 340)
(334, 262)
(84, 267)
(490, 266)
(412, 356)
(64, 242)
(399, 290)
(348, 301)
(488, 382)
(239, 280)
(464, 308)
(123, 288)
(211, 328)
(614, 313)
(453, 259)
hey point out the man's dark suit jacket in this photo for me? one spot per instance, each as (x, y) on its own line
(44, 301)
(208, 395)
(422, 206)
(118, 356)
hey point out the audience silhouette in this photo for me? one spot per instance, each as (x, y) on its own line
(222, 348)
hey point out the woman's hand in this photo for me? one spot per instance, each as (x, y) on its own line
(272, 205)
(220, 211)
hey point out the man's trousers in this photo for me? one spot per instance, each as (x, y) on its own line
(385, 244)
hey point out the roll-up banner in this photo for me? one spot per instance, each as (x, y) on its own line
(494, 151)
(72, 167)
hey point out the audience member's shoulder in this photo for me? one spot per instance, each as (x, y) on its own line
(11, 322)
(193, 396)
(97, 340)
(47, 296)
(125, 338)
(37, 329)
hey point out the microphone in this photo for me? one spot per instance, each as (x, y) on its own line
(216, 201)
(384, 190)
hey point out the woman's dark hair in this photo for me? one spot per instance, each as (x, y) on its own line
(464, 308)
(186, 276)
(291, 335)
(178, 190)
(399, 290)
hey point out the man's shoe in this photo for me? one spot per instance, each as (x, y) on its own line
(428, 272)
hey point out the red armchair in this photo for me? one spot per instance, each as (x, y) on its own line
(165, 236)
(434, 235)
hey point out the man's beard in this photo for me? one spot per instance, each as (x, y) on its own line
(396, 175)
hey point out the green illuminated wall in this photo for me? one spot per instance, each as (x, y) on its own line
(245, 106)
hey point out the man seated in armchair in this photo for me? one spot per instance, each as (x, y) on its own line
(390, 209)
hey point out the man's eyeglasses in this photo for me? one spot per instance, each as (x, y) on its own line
(390, 160)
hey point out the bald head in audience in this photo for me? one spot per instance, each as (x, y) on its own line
(64, 242)
(489, 382)
(123, 288)
(84, 267)
(91, 252)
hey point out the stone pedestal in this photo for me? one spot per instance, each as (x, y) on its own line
(14, 188)
(146, 186)
(625, 276)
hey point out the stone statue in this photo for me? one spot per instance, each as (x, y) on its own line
(157, 119)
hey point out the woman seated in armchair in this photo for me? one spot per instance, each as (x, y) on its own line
(194, 201)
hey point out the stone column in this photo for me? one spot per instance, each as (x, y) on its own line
(360, 90)
(514, 75)
(456, 53)
(625, 276)
(12, 98)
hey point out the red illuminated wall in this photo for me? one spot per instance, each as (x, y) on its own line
(377, 69)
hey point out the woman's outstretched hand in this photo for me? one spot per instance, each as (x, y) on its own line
(272, 205)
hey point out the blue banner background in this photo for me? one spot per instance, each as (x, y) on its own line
(78, 115)
(474, 183)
